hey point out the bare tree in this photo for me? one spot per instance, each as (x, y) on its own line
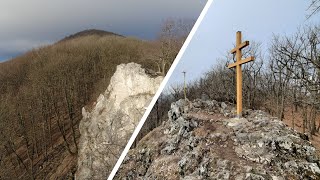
(171, 38)
(297, 59)
(313, 8)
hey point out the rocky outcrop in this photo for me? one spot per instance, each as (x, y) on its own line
(202, 140)
(106, 129)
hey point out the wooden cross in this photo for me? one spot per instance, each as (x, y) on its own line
(239, 46)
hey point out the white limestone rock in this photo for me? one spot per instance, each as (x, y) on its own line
(107, 128)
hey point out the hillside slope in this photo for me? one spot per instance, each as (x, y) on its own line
(41, 96)
(201, 140)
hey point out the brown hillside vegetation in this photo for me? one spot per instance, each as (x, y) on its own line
(42, 93)
(294, 119)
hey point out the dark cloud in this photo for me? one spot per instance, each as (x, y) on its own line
(28, 24)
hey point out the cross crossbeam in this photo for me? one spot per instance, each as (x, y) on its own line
(239, 61)
(242, 45)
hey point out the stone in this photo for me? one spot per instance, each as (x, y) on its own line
(106, 129)
(177, 108)
(256, 147)
(233, 122)
(223, 105)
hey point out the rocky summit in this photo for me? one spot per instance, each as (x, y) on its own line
(202, 140)
(107, 128)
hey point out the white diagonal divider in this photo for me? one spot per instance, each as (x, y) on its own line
(162, 85)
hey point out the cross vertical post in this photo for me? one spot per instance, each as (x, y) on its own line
(237, 64)
(239, 75)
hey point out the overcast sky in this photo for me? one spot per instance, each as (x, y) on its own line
(28, 24)
(258, 21)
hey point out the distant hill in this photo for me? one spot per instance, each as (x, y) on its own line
(89, 32)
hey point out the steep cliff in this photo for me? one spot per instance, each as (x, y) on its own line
(201, 140)
(106, 129)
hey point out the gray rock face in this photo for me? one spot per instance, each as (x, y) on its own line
(197, 144)
(106, 129)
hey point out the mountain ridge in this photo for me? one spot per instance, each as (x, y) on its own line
(89, 32)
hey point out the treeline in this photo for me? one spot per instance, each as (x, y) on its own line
(42, 94)
(285, 79)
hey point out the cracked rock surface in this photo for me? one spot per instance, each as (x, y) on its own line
(201, 140)
(106, 129)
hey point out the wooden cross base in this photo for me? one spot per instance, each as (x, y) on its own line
(237, 64)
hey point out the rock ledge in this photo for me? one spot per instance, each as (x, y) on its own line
(201, 140)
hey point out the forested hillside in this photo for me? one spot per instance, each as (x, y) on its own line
(42, 93)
